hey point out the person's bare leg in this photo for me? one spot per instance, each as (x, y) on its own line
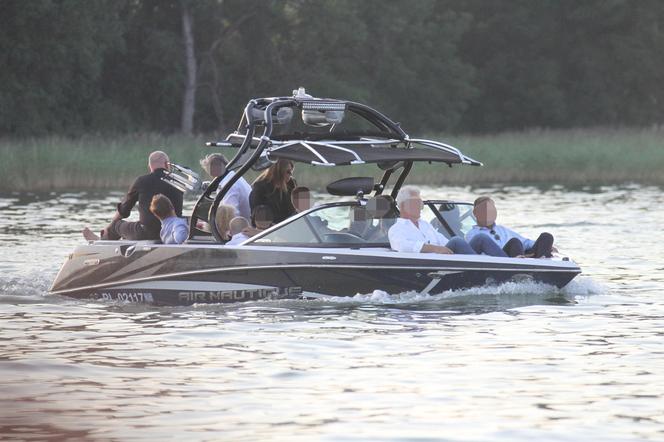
(90, 235)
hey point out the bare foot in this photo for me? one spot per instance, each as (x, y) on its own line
(90, 235)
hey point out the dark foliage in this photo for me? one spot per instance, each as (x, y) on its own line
(81, 66)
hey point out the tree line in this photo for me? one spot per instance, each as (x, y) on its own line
(117, 66)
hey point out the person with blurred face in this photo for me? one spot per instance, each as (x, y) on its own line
(301, 198)
(412, 234)
(510, 243)
(141, 191)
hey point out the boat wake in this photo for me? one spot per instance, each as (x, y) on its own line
(527, 290)
(31, 288)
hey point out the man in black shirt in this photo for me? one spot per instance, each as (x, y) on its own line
(142, 191)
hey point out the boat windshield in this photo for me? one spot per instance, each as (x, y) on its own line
(339, 225)
(449, 218)
(354, 225)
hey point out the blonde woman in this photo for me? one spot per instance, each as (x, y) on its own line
(223, 217)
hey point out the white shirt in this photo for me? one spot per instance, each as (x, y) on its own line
(501, 236)
(237, 196)
(406, 237)
(237, 239)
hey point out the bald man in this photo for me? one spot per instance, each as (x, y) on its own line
(142, 191)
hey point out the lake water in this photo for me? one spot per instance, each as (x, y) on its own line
(518, 362)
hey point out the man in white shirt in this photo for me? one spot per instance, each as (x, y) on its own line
(412, 234)
(238, 195)
(508, 241)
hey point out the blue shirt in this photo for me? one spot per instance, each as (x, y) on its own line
(500, 236)
(174, 230)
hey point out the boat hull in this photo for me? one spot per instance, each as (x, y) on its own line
(193, 274)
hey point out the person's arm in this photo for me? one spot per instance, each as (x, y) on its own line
(441, 240)
(128, 202)
(232, 198)
(180, 233)
(400, 242)
(431, 248)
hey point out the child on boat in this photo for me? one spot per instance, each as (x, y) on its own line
(174, 230)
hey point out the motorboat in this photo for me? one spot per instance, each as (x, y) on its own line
(338, 248)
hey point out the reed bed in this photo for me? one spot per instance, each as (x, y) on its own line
(568, 157)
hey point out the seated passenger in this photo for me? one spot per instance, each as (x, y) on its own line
(508, 242)
(387, 214)
(223, 217)
(301, 198)
(141, 192)
(238, 229)
(273, 188)
(238, 195)
(261, 219)
(360, 222)
(174, 230)
(410, 233)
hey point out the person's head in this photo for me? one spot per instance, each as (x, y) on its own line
(158, 160)
(238, 224)
(301, 198)
(382, 206)
(162, 207)
(279, 174)
(262, 217)
(223, 217)
(485, 211)
(214, 164)
(409, 202)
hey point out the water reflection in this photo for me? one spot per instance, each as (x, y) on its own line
(513, 362)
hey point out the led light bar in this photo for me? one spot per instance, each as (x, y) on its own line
(323, 106)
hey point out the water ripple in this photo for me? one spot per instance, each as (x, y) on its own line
(517, 361)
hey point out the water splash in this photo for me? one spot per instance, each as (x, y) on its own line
(583, 286)
(25, 288)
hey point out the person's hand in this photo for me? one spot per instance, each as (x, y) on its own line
(430, 248)
(117, 216)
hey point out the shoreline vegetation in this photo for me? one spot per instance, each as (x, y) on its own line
(566, 157)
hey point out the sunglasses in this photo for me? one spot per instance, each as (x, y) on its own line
(495, 235)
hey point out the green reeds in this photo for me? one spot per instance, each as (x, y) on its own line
(578, 156)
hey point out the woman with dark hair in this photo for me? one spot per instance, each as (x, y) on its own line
(273, 188)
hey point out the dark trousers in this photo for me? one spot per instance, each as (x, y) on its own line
(542, 247)
(135, 231)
